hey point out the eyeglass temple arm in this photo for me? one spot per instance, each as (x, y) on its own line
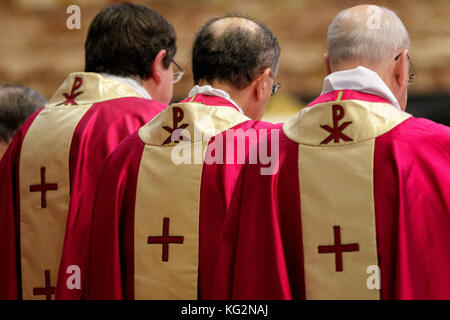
(181, 69)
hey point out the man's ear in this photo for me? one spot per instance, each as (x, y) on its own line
(261, 83)
(401, 64)
(158, 66)
(326, 60)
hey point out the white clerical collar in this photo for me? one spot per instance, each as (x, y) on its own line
(359, 79)
(210, 91)
(130, 82)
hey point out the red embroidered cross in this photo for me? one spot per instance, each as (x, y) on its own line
(70, 98)
(48, 290)
(338, 248)
(178, 115)
(43, 188)
(336, 130)
(165, 239)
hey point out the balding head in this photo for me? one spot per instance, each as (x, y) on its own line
(219, 26)
(234, 50)
(365, 34)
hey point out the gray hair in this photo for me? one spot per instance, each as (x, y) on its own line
(17, 103)
(372, 36)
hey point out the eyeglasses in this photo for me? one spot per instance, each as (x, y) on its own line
(412, 73)
(178, 74)
(276, 85)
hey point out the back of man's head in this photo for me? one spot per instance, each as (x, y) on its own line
(365, 34)
(124, 40)
(17, 103)
(233, 50)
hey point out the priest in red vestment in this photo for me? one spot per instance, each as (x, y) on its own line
(154, 233)
(360, 206)
(61, 149)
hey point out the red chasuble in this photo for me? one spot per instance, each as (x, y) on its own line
(359, 209)
(45, 179)
(156, 226)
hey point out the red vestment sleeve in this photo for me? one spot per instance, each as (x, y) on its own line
(111, 265)
(412, 203)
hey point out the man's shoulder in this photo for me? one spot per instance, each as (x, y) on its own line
(257, 125)
(131, 104)
(419, 131)
(262, 132)
(127, 113)
(418, 141)
(117, 108)
(270, 134)
(129, 149)
(130, 144)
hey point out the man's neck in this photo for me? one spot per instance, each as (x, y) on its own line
(360, 79)
(240, 97)
(133, 82)
(381, 71)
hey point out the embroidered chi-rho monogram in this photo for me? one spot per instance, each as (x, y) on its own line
(336, 131)
(178, 116)
(70, 98)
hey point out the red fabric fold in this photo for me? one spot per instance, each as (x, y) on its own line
(10, 278)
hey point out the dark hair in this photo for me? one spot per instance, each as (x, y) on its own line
(124, 40)
(235, 56)
(17, 103)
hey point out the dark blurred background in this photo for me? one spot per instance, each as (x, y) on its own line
(38, 50)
